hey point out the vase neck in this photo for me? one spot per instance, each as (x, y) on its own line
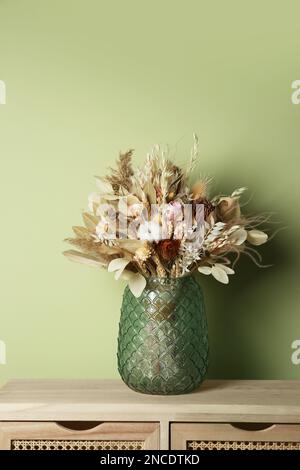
(166, 281)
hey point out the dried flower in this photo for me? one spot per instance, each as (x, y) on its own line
(256, 237)
(144, 252)
(121, 177)
(160, 270)
(200, 188)
(150, 231)
(228, 209)
(168, 249)
(208, 206)
(121, 234)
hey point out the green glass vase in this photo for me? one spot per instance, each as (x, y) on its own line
(163, 338)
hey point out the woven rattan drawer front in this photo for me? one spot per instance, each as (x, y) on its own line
(241, 445)
(54, 436)
(221, 436)
(57, 444)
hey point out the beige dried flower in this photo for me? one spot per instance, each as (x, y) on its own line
(122, 176)
(228, 209)
(123, 234)
(161, 272)
(144, 252)
(199, 189)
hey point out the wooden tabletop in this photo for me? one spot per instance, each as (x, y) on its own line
(104, 400)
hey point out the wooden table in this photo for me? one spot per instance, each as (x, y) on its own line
(106, 414)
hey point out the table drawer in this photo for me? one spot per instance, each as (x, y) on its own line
(79, 436)
(235, 436)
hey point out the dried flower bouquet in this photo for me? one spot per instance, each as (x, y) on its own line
(186, 231)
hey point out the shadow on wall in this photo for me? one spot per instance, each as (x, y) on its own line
(241, 315)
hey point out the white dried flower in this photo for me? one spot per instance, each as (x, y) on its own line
(149, 231)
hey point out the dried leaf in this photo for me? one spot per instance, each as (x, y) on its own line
(150, 192)
(194, 155)
(110, 197)
(238, 237)
(257, 237)
(228, 209)
(103, 186)
(118, 274)
(136, 282)
(117, 264)
(205, 270)
(219, 274)
(126, 202)
(225, 268)
(90, 221)
(137, 190)
(81, 232)
(93, 199)
(238, 192)
(130, 245)
(131, 199)
(78, 257)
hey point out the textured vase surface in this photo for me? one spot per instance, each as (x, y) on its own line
(163, 339)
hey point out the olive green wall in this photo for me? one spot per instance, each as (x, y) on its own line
(86, 78)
